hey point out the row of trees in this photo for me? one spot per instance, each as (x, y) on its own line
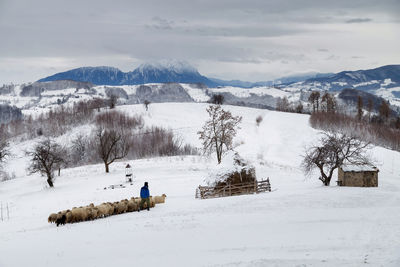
(386, 135)
(324, 103)
(115, 135)
(383, 115)
(283, 104)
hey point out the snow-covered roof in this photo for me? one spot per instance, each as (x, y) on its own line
(359, 168)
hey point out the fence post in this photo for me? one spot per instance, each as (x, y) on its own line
(1, 207)
(8, 213)
(255, 186)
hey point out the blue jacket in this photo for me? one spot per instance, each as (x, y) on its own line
(144, 192)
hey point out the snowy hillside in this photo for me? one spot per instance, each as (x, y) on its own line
(300, 223)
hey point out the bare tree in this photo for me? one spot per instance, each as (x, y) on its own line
(112, 101)
(359, 108)
(299, 108)
(146, 104)
(259, 120)
(47, 156)
(335, 150)
(314, 100)
(219, 131)
(217, 99)
(328, 103)
(384, 110)
(79, 149)
(4, 150)
(111, 145)
(370, 106)
(282, 104)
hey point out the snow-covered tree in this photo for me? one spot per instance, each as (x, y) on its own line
(219, 131)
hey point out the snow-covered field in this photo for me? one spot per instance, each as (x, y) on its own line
(300, 223)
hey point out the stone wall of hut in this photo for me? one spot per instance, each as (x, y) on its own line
(358, 178)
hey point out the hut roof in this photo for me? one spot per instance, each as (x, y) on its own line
(359, 168)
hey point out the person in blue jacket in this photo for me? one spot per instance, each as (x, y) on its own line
(145, 195)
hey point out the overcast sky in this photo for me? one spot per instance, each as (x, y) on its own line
(252, 40)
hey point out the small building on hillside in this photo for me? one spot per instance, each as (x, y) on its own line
(363, 176)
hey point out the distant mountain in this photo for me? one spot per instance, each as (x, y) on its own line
(96, 75)
(301, 77)
(161, 72)
(234, 83)
(364, 80)
(283, 80)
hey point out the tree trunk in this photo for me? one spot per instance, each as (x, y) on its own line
(50, 180)
(107, 170)
(326, 180)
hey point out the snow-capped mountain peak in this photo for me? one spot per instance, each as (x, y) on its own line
(174, 65)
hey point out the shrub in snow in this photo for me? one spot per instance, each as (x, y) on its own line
(232, 170)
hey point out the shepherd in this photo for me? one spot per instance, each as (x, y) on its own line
(145, 195)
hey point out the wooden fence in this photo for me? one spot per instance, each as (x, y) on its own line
(204, 192)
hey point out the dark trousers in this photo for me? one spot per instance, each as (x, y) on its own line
(147, 200)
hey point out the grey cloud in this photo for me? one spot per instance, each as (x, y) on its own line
(359, 20)
(333, 57)
(160, 24)
(227, 31)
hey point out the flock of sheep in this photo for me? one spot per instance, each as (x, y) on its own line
(92, 212)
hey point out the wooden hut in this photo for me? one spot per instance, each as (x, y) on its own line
(363, 176)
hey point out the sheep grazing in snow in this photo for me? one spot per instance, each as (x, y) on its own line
(61, 219)
(79, 214)
(52, 218)
(159, 199)
(92, 212)
(122, 206)
(132, 205)
(105, 209)
(137, 200)
(68, 216)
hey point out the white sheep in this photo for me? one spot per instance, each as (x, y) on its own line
(159, 199)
